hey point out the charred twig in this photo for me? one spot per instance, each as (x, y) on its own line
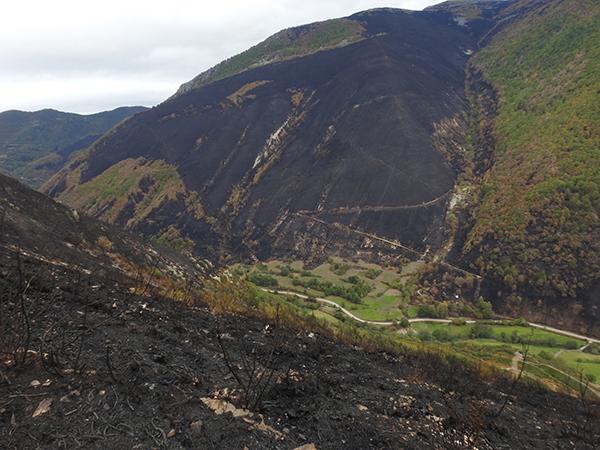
(41, 394)
(71, 412)
(252, 368)
(227, 359)
(4, 377)
(24, 348)
(584, 386)
(161, 431)
(524, 353)
(62, 346)
(109, 365)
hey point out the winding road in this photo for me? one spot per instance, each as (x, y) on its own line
(325, 301)
(518, 357)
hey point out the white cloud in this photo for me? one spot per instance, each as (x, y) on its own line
(88, 56)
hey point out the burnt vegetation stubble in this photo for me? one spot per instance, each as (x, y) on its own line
(125, 369)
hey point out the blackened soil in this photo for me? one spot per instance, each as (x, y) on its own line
(145, 363)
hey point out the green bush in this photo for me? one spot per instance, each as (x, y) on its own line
(424, 335)
(484, 309)
(339, 315)
(285, 271)
(404, 322)
(436, 311)
(590, 377)
(373, 273)
(263, 279)
(427, 312)
(354, 293)
(571, 345)
(593, 349)
(339, 268)
(520, 321)
(312, 303)
(480, 331)
(443, 335)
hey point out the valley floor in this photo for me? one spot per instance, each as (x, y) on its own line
(558, 358)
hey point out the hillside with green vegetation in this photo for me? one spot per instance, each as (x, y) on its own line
(555, 360)
(468, 11)
(130, 192)
(287, 44)
(379, 293)
(371, 292)
(536, 233)
(34, 145)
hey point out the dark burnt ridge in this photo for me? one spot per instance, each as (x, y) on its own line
(35, 225)
(349, 127)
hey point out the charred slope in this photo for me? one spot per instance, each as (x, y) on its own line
(260, 156)
(35, 145)
(34, 225)
(146, 372)
(342, 135)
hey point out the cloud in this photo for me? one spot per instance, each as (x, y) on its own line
(90, 56)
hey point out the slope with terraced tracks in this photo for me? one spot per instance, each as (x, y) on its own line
(346, 125)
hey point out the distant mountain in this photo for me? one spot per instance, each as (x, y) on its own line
(466, 133)
(34, 145)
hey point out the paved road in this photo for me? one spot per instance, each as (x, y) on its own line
(422, 319)
(565, 333)
(330, 303)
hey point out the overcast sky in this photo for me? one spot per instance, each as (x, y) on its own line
(89, 56)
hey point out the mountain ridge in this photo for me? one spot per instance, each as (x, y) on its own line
(305, 253)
